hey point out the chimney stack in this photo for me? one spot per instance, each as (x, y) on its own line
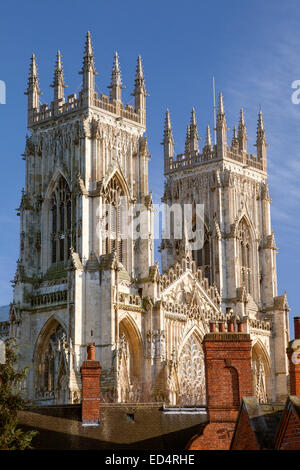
(228, 378)
(293, 352)
(90, 379)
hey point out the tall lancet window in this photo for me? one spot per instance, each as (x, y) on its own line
(61, 221)
(114, 216)
(244, 246)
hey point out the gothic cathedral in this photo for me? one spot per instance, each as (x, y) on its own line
(86, 157)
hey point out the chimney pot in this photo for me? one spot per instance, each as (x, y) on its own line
(91, 351)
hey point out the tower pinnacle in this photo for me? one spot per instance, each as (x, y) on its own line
(33, 90)
(208, 137)
(88, 70)
(168, 142)
(242, 133)
(194, 137)
(221, 129)
(116, 80)
(261, 141)
(235, 141)
(140, 90)
(58, 81)
(187, 148)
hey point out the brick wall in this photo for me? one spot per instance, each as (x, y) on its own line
(293, 352)
(228, 378)
(288, 437)
(244, 438)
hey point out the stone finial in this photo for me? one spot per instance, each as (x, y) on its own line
(221, 130)
(234, 142)
(88, 70)
(187, 148)
(208, 137)
(58, 79)
(242, 133)
(194, 137)
(168, 142)
(116, 80)
(261, 141)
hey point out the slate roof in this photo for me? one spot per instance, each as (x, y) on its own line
(264, 419)
(4, 313)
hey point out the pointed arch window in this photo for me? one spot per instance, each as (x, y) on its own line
(192, 373)
(202, 257)
(61, 221)
(244, 246)
(51, 366)
(114, 208)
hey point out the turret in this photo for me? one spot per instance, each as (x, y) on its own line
(168, 142)
(187, 147)
(221, 130)
(33, 90)
(242, 133)
(140, 91)
(194, 137)
(207, 149)
(261, 144)
(58, 84)
(116, 81)
(88, 72)
(235, 141)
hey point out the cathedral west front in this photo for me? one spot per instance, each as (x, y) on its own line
(79, 280)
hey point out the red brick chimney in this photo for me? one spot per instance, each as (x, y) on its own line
(90, 379)
(293, 352)
(228, 379)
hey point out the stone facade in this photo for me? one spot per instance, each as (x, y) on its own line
(76, 284)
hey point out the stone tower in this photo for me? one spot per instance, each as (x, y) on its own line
(85, 156)
(86, 273)
(238, 253)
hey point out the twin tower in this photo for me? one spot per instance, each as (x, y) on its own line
(76, 285)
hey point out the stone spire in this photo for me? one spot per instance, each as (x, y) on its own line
(139, 88)
(88, 71)
(208, 138)
(58, 82)
(207, 149)
(242, 133)
(33, 90)
(194, 137)
(235, 141)
(168, 142)
(140, 91)
(187, 148)
(261, 141)
(221, 129)
(116, 80)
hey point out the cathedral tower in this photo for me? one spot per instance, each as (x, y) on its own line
(86, 159)
(238, 253)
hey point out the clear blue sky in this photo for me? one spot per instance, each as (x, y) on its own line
(251, 47)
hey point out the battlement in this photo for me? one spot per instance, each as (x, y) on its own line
(88, 97)
(237, 151)
(73, 104)
(183, 161)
